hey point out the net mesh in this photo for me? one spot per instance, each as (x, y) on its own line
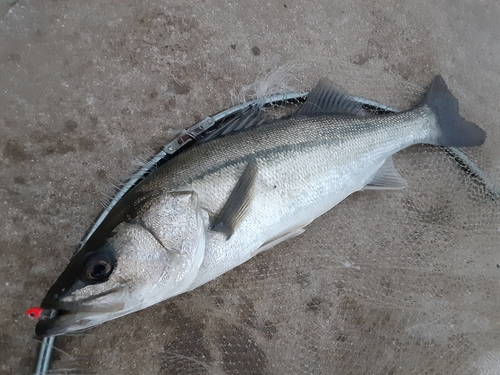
(387, 282)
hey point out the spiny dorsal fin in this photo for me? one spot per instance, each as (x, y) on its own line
(237, 204)
(386, 178)
(247, 118)
(330, 98)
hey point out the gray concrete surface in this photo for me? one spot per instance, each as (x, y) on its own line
(386, 283)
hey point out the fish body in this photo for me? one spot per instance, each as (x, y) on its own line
(223, 201)
(305, 166)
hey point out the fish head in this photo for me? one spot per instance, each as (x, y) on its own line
(143, 261)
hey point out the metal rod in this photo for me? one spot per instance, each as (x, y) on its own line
(177, 143)
(44, 355)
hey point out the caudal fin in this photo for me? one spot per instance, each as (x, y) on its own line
(455, 130)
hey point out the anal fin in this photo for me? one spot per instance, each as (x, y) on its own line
(237, 204)
(386, 178)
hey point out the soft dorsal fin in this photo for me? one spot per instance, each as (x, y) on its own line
(386, 178)
(237, 204)
(330, 98)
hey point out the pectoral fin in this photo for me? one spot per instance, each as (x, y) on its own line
(386, 178)
(237, 204)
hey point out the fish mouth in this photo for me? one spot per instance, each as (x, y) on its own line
(49, 323)
(57, 322)
(59, 317)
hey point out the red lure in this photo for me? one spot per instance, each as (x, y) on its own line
(34, 312)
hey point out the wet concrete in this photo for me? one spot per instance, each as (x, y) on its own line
(386, 283)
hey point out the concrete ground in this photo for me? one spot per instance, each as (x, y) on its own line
(386, 283)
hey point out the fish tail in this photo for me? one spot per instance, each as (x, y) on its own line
(454, 130)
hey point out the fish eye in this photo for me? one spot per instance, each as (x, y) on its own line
(98, 266)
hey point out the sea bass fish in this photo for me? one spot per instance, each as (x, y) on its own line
(239, 192)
